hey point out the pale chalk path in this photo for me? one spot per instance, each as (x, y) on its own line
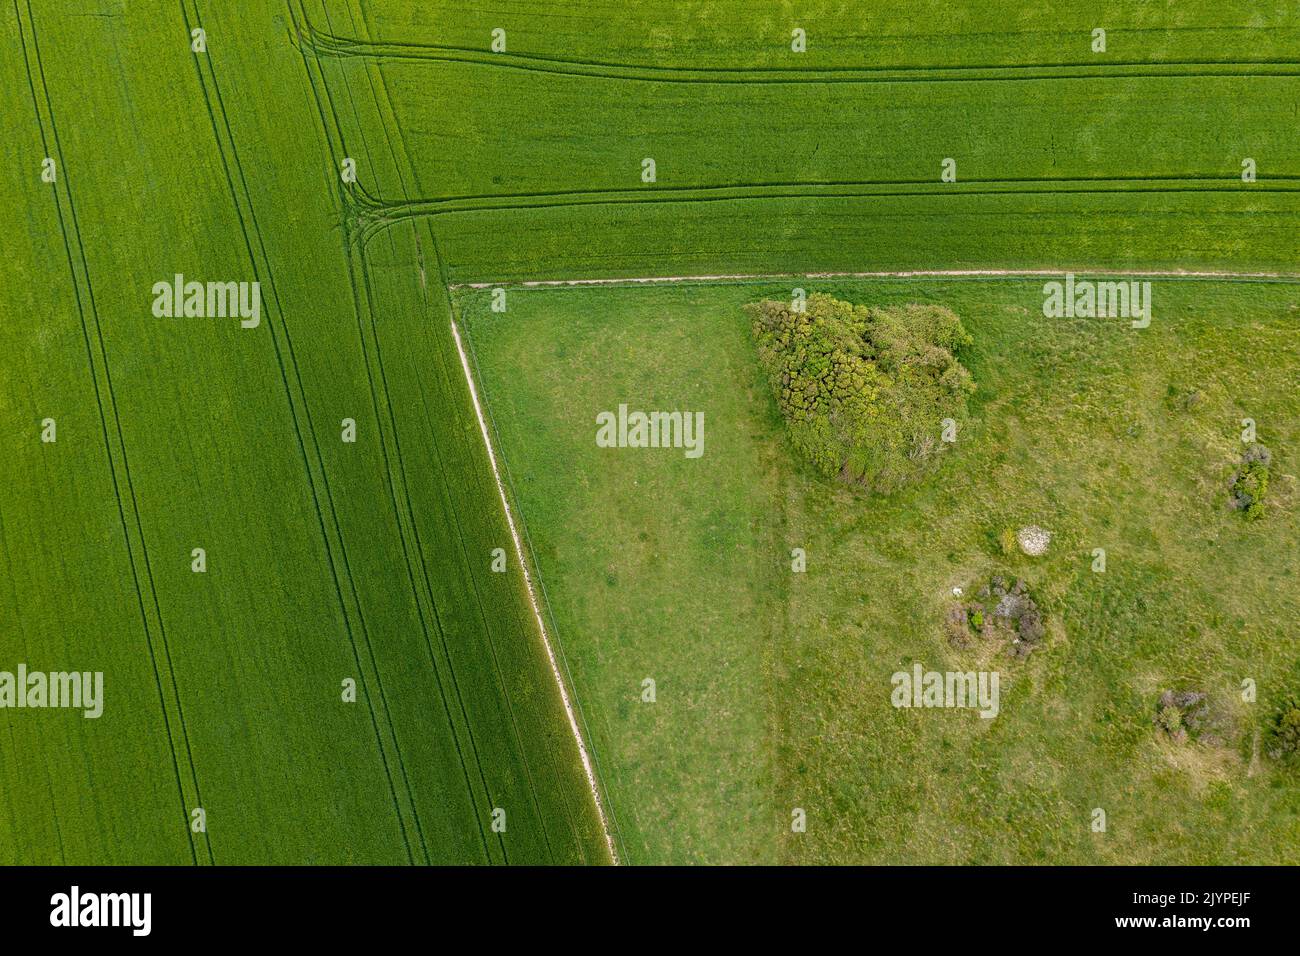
(532, 599)
(908, 274)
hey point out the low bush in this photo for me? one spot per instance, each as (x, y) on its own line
(1191, 715)
(1284, 733)
(1250, 482)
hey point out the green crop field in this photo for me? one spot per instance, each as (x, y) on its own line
(326, 561)
(279, 535)
(770, 161)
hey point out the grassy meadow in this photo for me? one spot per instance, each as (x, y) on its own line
(773, 687)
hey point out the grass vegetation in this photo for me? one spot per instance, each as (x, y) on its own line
(773, 687)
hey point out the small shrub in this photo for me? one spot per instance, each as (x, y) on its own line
(1250, 482)
(957, 625)
(1180, 399)
(1031, 626)
(1008, 542)
(1170, 719)
(1284, 734)
(1257, 453)
(1192, 715)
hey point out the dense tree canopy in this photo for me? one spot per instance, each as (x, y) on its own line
(864, 391)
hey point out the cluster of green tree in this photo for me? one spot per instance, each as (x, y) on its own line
(869, 395)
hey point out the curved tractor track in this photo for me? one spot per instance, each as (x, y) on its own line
(322, 44)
